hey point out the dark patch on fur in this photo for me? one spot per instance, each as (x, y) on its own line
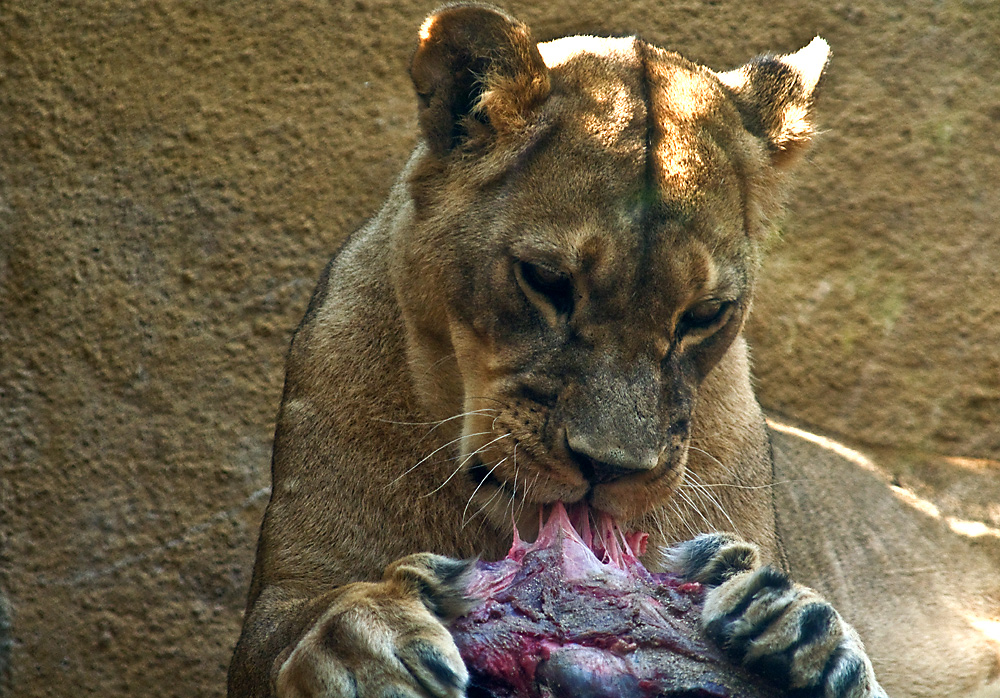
(773, 578)
(436, 665)
(439, 581)
(776, 667)
(451, 572)
(701, 551)
(722, 629)
(815, 621)
(732, 560)
(650, 193)
(845, 671)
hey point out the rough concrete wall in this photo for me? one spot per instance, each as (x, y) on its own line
(174, 174)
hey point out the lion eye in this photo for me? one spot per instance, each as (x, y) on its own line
(705, 315)
(541, 282)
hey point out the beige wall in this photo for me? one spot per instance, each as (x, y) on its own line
(173, 175)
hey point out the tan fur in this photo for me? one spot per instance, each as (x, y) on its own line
(446, 380)
(920, 596)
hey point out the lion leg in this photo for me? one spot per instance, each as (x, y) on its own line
(385, 639)
(781, 630)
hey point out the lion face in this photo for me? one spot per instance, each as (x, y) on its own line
(586, 238)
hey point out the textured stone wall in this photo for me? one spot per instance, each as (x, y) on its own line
(173, 175)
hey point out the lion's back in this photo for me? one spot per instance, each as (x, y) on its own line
(916, 591)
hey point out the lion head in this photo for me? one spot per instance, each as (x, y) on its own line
(587, 222)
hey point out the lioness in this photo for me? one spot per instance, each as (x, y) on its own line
(550, 307)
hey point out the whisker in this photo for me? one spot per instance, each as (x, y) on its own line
(485, 397)
(524, 496)
(671, 524)
(440, 361)
(697, 485)
(692, 483)
(436, 450)
(715, 460)
(481, 482)
(658, 524)
(438, 422)
(488, 503)
(481, 510)
(513, 492)
(527, 487)
(466, 460)
(682, 518)
(703, 493)
(697, 510)
(732, 486)
(483, 448)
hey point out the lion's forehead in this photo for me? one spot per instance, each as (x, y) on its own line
(639, 138)
(637, 102)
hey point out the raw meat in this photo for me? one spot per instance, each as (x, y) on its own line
(576, 615)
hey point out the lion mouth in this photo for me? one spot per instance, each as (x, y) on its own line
(484, 478)
(623, 496)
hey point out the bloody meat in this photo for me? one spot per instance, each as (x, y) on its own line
(576, 615)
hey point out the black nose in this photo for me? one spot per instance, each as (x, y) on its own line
(601, 459)
(598, 472)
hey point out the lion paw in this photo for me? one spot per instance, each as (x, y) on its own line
(772, 626)
(385, 639)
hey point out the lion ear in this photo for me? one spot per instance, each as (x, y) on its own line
(478, 74)
(775, 96)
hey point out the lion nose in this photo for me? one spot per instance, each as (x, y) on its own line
(601, 463)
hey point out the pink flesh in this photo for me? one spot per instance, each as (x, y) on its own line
(575, 613)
